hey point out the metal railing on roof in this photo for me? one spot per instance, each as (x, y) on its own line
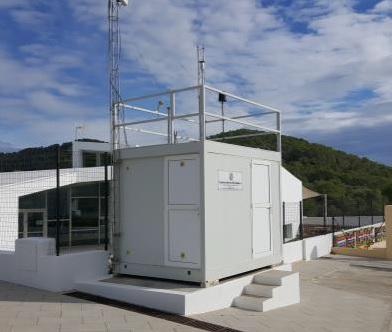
(196, 106)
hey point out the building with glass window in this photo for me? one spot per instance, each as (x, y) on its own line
(81, 214)
(28, 201)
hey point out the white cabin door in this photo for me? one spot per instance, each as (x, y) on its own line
(261, 209)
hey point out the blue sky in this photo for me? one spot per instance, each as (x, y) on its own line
(326, 64)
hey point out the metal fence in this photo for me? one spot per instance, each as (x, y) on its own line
(191, 114)
(43, 195)
(297, 227)
(292, 221)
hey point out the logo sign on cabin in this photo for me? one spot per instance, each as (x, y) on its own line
(228, 180)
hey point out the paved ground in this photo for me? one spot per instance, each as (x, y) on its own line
(336, 296)
(28, 309)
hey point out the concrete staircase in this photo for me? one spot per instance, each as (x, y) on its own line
(270, 290)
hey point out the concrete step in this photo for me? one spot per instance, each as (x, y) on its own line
(260, 290)
(272, 277)
(270, 290)
(250, 302)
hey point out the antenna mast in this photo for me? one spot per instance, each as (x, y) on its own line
(200, 65)
(115, 98)
(114, 73)
(201, 82)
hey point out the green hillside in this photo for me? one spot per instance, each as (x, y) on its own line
(38, 158)
(351, 183)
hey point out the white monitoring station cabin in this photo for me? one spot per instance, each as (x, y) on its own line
(190, 206)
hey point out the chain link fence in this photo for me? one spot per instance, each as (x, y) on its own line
(55, 193)
(296, 226)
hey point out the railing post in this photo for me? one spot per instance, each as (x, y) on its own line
(359, 214)
(383, 209)
(371, 208)
(171, 112)
(106, 203)
(343, 217)
(333, 231)
(202, 109)
(58, 201)
(283, 219)
(325, 210)
(333, 224)
(279, 136)
(301, 225)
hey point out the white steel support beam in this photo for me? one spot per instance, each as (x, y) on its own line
(202, 112)
(279, 138)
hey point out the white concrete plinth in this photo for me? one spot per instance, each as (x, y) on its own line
(176, 300)
(171, 297)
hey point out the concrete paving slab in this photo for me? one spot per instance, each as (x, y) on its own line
(336, 295)
(26, 309)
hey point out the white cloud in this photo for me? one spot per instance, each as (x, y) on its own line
(309, 72)
(252, 51)
(28, 17)
(12, 4)
(383, 7)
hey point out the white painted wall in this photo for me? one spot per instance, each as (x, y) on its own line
(33, 264)
(230, 246)
(293, 252)
(79, 147)
(307, 249)
(318, 246)
(291, 187)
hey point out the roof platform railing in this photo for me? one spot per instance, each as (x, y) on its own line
(195, 113)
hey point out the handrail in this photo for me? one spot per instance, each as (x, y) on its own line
(167, 92)
(120, 125)
(242, 99)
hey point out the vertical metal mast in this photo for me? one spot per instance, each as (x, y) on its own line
(114, 73)
(114, 99)
(200, 65)
(201, 83)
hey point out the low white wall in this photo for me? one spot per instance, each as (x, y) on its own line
(7, 266)
(33, 264)
(307, 249)
(293, 252)
(318, 246)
